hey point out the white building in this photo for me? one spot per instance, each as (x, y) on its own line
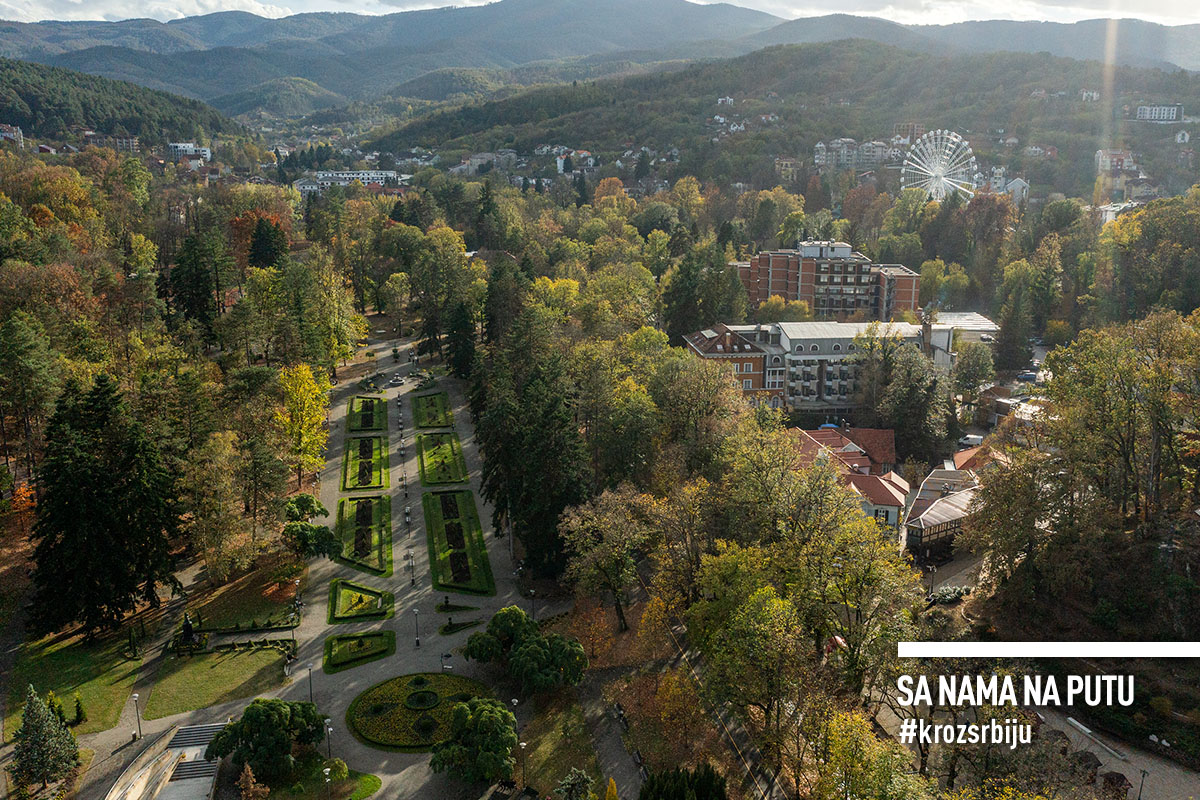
(1165, 113)
(180, 150)
(12, 133)
(327, 178)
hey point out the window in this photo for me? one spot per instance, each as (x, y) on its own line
(837, 347)
(851, 348)
(881, 514)
(815, 348)
(776, 360)
(746, 384)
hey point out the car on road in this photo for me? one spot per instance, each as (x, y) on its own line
(1028, 376)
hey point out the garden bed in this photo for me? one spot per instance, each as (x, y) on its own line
(352, 602)
(366, 414)
(440, 458)
(432, 411)
(410, 713)
(349, 650)
(365, 465)
(364, 528)
(464, 568)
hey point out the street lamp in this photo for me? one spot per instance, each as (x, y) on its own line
(412, 578)
(532, 604)
(137, 712)
(310, 691)
(1142, 785)
(326, 771)
(328, 738)
(295, 611)
(522, 763)
(417, 626)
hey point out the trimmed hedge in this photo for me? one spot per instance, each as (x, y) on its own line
(440, 457)
(468, 551)
(378, 558)
(349, 650)
(376, 420)
(378, 461)
(432, 411)
(377, 603)
(383, 717)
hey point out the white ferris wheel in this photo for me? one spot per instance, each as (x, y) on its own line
(941, 163)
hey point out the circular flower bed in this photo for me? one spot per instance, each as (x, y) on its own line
(411, 712)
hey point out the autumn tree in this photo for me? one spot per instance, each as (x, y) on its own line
(301, 418)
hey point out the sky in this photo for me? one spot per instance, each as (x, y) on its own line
(905, 11)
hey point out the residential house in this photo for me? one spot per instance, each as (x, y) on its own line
(1182, 137)
(868, 450)
(787, 169)
(929, 535)
(12, 133)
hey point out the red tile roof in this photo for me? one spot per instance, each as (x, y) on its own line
(877, 491)
(880, 443)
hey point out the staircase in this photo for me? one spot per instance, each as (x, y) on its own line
(194, 736)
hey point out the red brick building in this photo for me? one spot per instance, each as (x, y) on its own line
(747, 360)
(834, 280)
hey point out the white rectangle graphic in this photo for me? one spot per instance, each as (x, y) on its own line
(1049, 649)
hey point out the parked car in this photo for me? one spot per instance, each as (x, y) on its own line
(1027, 377)
(970, 440)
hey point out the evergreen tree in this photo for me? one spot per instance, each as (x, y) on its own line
(581, 191)
(28, 379)
(202, 267)
(268, 244)
(642, 170)
(106, 514)
(460, 340)
(483, 734)
(505, 298)
(577, 785)
(46, 750)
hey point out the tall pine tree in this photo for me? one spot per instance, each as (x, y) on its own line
(46, 750)
(107, 511)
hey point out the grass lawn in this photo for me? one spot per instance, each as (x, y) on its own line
(308, 777)
(440, 458)
(367, 414)
(375, 555)
(186, 683)
(66, 664)
(558, 740)
(432, 411)
(256, 599)
(457, 553)
(377, 478)
(352, 602)
(349, 650)
(409, 713)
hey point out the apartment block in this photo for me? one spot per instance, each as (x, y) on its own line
(833, 279)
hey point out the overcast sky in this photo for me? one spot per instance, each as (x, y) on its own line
(908, 11)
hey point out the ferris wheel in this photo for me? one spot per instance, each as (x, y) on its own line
(941, 163)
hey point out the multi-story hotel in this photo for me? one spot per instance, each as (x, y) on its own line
(834, 280)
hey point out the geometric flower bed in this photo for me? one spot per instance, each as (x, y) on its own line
(353, 602)
(348, 650)
(410, 713)
(365, 465)
(367, 414)
(432, 411)
(457, 552)
(364, 527)
(439, 455)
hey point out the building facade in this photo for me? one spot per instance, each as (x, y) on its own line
(834, 280)
(1162, 113)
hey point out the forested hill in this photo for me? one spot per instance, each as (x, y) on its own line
(853, 88)
(46, 101)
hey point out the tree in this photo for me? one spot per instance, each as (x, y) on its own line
(603, 539)
(96, 566)
(268, 244)
(202, 269)
(460, 340)
(610, 793)
(210, 494)
(701, 783)
(45, 749)
(577, 785)
(776, 309)
(1016, 316)
(265, 734)
(972, 368)
(394, 295)
(546, 661)
(483, 734)
(28, 378)
(301, 419)
(250, 788)
(857, 765)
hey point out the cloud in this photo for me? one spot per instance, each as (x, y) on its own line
(112, 10)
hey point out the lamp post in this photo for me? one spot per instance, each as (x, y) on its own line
(310, 691)
(533, 604)
(522, 763)
(412, 578)
(326, 771)
(417, 626)
(137, 712)
(1142, 785)
(328, 738)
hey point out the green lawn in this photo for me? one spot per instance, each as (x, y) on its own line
(378, 558)
(440, 458)
(186, 683)
(378, 478)
(307, 776)
(367, 414)
(353, 602)
(558, 740)
(66, 664)
(349, 650)
(257, 599)
(432, 411)
(445, 555)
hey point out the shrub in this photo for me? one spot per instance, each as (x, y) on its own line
(338, 770)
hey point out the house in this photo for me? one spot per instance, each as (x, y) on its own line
(12, 133)
(882, 497)
(1010, 141)
(930, 534)
(746, 359)
(867, 450)
(1111, 161)
(787, 168)
(1140, 190)
(45, 148)
(177, 151)
(1161, 113)
(724, 101)
(1182, 137)
(1018, 190)
(1089, 95)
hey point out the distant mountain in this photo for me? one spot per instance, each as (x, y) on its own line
(284, 97)
(365, 58)
(361, 56)
(46, 101)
